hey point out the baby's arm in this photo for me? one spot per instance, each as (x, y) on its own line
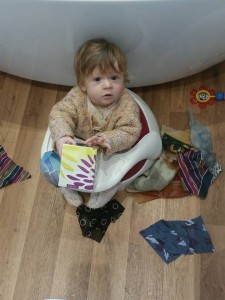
(62, 117)
(119, 139)
(98, 141)
(62, 121)
(126, 130)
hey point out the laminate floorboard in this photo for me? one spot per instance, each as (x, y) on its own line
(42, 251)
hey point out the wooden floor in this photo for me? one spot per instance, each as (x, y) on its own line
(42, 251)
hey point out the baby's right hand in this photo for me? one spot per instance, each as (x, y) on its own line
(64, 140)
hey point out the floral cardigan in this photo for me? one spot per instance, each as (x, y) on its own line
(74, 115)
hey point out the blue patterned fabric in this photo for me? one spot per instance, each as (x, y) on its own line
(50, 166)
(170, 239)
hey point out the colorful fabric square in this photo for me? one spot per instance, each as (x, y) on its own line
(156, 178)
(50, 166)
(171, 239)
(194, 173)
(174, 145)
(174, 189)
(181, 135)
(10, 172)
(94, 222)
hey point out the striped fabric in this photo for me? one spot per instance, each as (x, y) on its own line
(9, 171)
(194, 173)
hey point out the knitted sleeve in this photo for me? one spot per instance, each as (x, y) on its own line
(63, 117)
(127, 127)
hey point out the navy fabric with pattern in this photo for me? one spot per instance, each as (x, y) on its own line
(170, 239)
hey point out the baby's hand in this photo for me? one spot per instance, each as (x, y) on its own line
(97, 141)
(64, 140)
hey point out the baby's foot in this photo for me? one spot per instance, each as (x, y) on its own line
(97, 202)
(71, 196)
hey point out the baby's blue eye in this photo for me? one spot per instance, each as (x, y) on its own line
(115, 77)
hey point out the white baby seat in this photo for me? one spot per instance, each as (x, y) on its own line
(127, 166)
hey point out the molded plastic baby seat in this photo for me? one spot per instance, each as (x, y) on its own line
(127, 166)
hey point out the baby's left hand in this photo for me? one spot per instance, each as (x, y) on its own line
(97, 141)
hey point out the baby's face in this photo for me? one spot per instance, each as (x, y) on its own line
(104, 88)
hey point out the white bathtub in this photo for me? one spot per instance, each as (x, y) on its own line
(163, 40)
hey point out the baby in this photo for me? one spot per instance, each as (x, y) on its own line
(99, 110)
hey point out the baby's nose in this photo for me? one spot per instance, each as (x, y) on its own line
(107, 83)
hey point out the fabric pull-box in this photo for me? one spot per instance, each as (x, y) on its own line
(78, 167)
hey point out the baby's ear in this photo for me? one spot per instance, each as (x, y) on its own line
(83, 86)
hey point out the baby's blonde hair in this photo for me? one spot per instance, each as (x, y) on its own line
(99, 53)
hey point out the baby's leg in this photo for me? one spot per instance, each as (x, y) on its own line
(71, 196)
(100, 199)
